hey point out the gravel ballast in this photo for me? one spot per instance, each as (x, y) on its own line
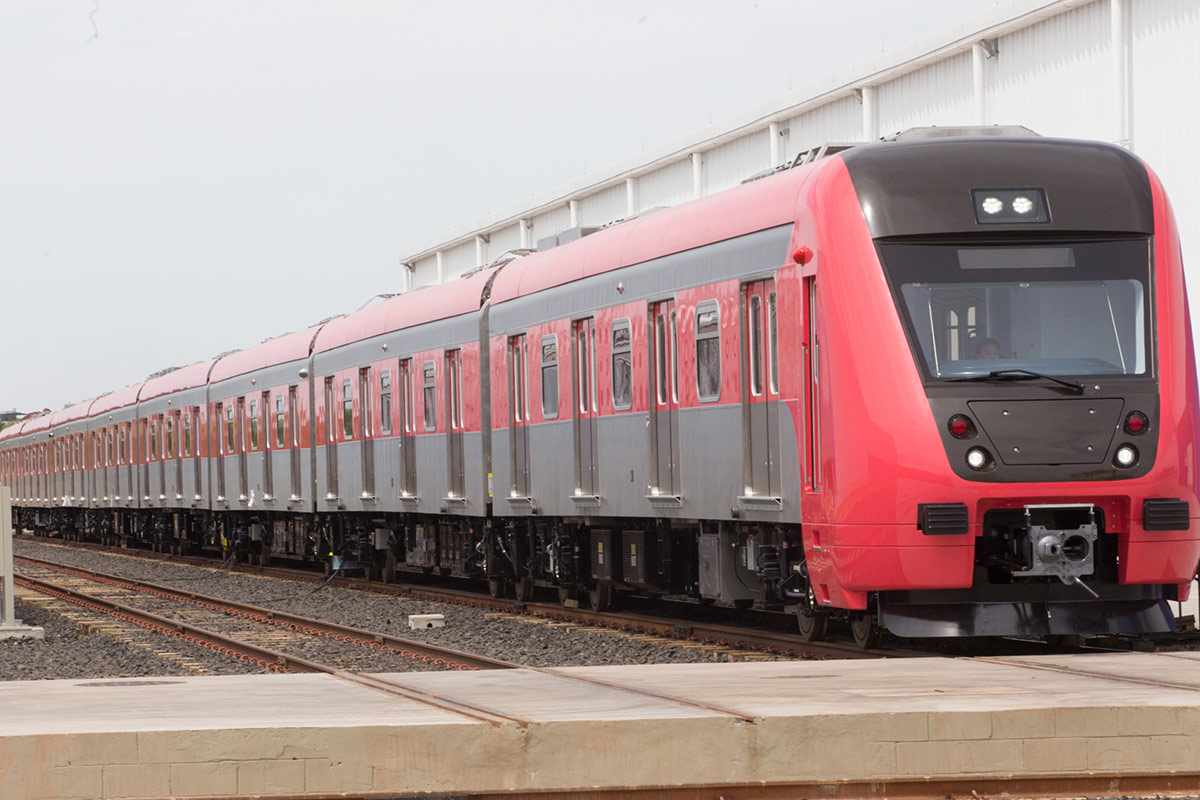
(523, 640)
(71, 650)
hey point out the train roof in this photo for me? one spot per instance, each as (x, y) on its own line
(743, 209)
(278, 350)
(178, 380)
(71, 413)
(34, 424)
(13, 431)
(117, 399)
(427, 304)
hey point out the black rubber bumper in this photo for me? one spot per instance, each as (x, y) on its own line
(1117, 617)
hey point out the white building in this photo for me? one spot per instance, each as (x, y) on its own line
(1115, 70)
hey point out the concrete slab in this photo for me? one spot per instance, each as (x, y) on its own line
(19, 631)
(701, 724)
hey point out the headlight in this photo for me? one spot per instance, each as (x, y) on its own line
(992, 205)
(1022, 204)
(1127, 456)
(978, 458)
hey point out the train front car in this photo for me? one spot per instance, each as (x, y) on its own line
(1005, 442)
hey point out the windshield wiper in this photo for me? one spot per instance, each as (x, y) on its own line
(1021, 375)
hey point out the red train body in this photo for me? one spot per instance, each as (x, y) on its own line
(942, 385)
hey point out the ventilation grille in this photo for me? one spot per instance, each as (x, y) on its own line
(1165, 515)
(940, 519)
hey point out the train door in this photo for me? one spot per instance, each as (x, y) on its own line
(760, 389)
(161, 446)
(368, 442)
(664, 399)
(454, 425)
(178, 451)
(583, 382)
(518, 415)
(408, 452)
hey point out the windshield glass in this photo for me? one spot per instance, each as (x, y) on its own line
(1059, 309)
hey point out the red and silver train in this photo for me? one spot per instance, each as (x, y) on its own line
(941, 385)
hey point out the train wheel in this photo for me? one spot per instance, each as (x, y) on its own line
(523, 589)
(864, 630)
(813, 625)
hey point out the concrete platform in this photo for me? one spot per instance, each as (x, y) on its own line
(684, 725)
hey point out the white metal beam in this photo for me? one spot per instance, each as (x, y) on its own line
(978, 54)
(631, 197)
(441, 268)
(524, 227)
(870, 113)
(1122, 56)
(1050, 9)
(573, 210)
(773, 136)
(481, 243)
(697, 174)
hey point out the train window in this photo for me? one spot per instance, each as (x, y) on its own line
(330, 430)
(674, 357)
(170, 451)
(406, 388)
(385, 401)
(152, 442)
(773, 343)
(187, 433)
(280, 422)
(120, 448)
(660, 358)
(708, 351)
(264, 418)
(516, 378)
(549, 377)
(364, 394)
(229, 430)
(585, 372)
(622, 365)
(454, 386)
(292, 422)
(755, 346)
(347, 409)
(253, 424)
(429, 395)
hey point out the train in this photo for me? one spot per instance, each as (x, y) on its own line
(938, 385)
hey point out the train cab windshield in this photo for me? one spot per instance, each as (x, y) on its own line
(1058, 309)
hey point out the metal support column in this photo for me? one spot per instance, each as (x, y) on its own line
(10, 626)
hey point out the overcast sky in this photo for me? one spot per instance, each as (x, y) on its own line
(182, 178)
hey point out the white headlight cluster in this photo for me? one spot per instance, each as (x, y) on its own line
(1126, 456)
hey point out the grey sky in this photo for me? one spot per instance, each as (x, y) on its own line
(204, 175)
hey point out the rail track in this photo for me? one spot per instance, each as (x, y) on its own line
(735, 636)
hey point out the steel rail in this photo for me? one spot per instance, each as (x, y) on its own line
(399, 644)
(667, 627)
(271, 659)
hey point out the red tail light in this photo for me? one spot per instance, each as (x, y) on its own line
(961, 427)
(1136, 423)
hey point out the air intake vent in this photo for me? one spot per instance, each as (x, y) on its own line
(1165, 515)
(942, 519)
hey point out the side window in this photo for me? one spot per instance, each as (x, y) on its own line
(280, 422)
(406, 379)
(756, 385)
(347, 409)
(364, 399)
(330, 428)
(708, 351)
(454, 387)
(253, 424)
(429, 395)
(152, 442)
(773, 343)
(187, 432)
(170, 452)
(622, 365)
(550, 377)
(516, 377)
(264, 417)
(230, 430)
(385, 401)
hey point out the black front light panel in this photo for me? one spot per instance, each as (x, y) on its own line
(1010, 206)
